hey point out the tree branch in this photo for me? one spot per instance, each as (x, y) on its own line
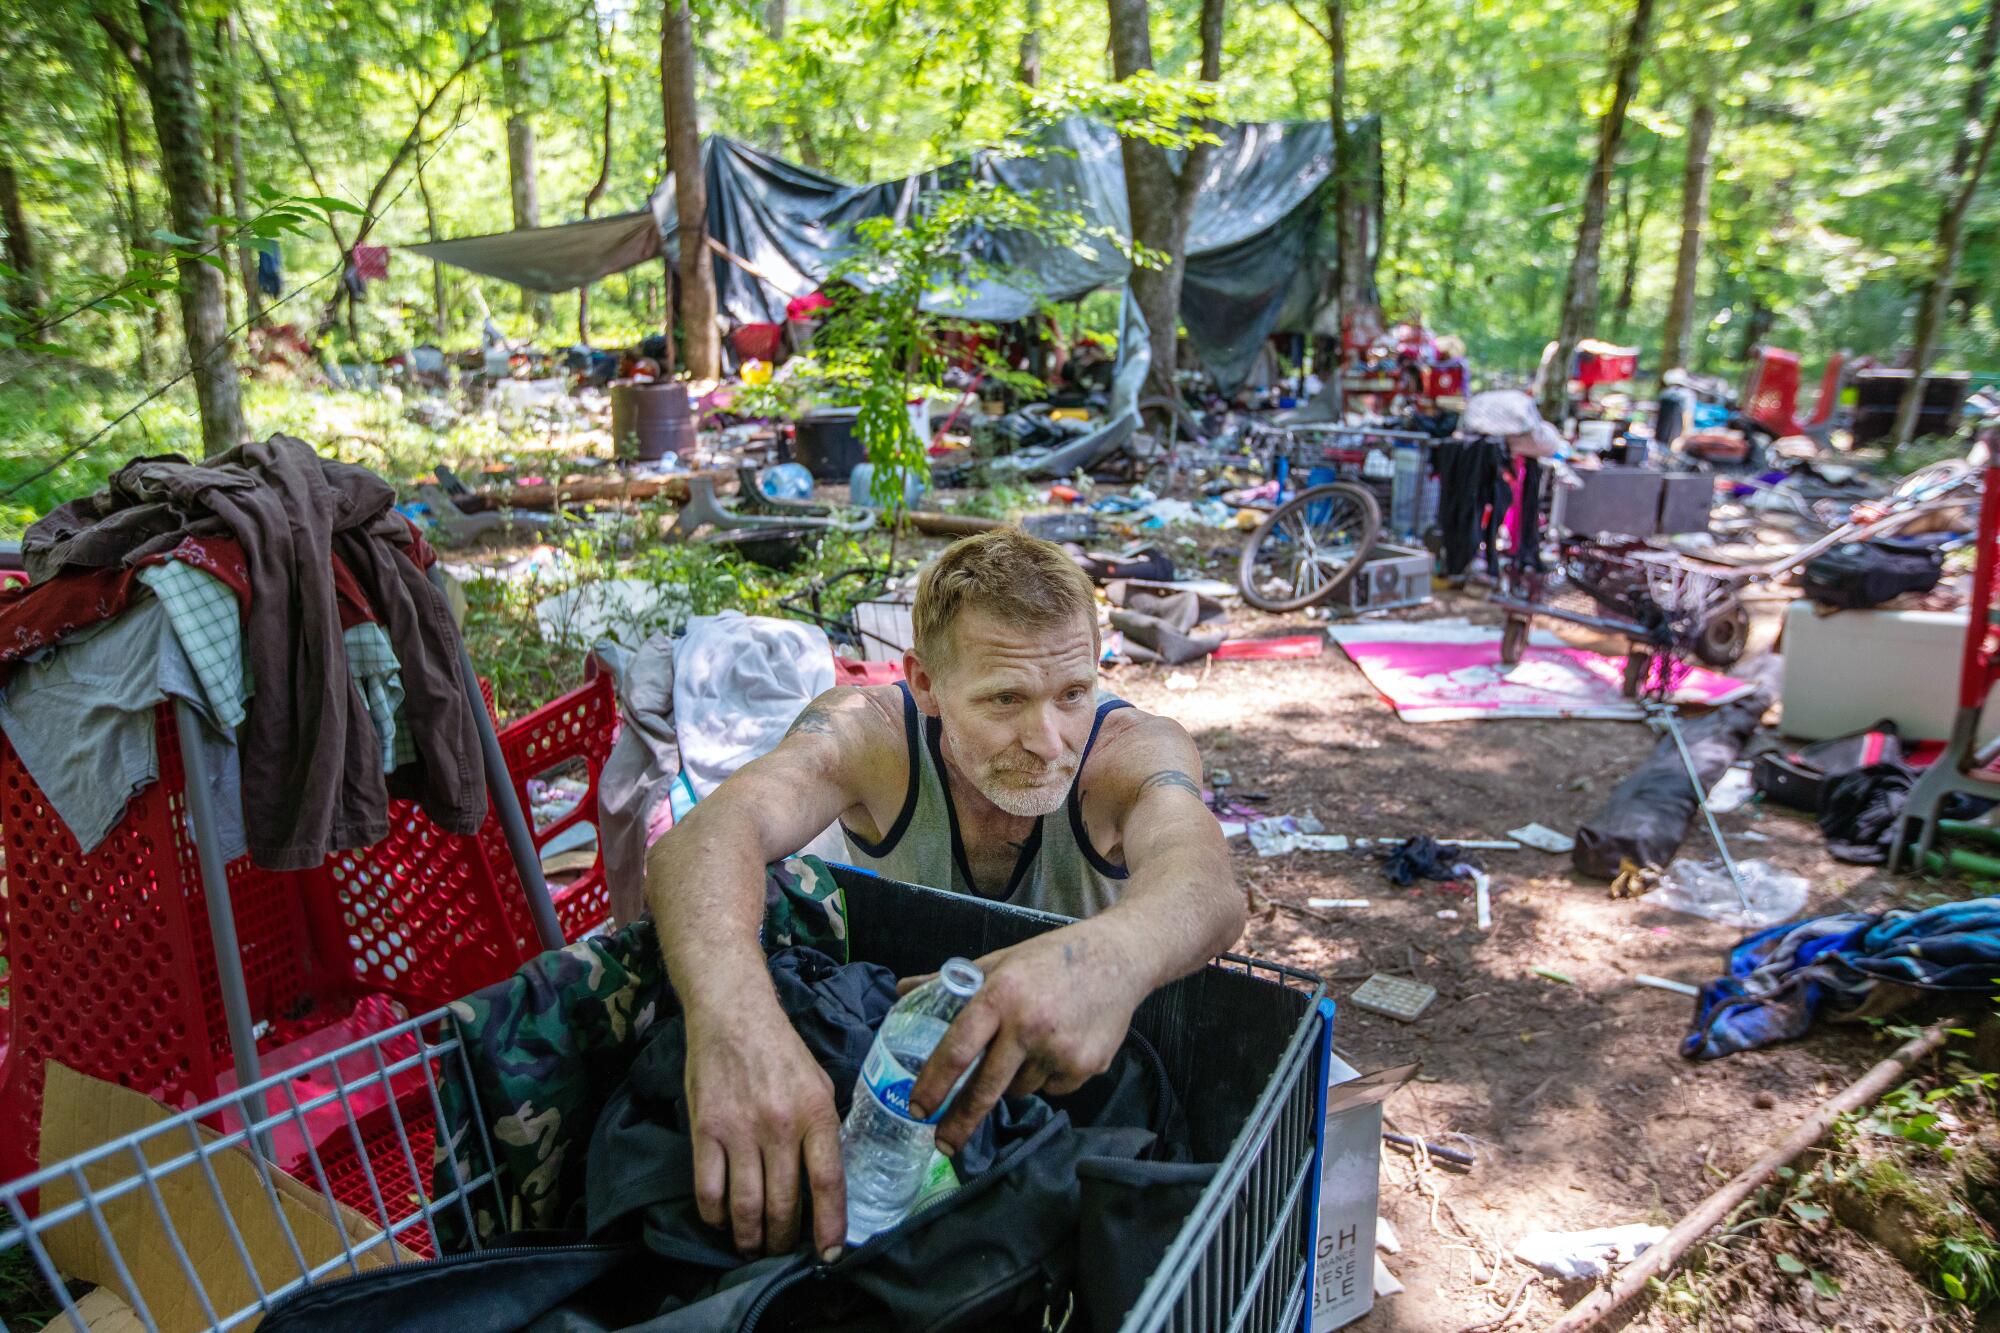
(122, 41)
(1306, 19)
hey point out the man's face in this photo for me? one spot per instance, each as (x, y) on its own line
(1015, 707)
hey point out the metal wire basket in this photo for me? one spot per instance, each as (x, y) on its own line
(214, 1228)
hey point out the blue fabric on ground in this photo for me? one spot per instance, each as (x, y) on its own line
(1782, 978)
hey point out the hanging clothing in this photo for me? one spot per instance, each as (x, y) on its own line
(270, 280)
(633, 808)
(371, 263)
(1473, 496)
(81, 719)
(739, 683)
(311, 752)
(1058, 870)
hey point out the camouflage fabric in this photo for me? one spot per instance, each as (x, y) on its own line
(546, 1047)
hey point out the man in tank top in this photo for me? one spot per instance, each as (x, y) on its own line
(997, 770)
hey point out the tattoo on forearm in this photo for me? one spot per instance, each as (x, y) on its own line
(1171, 777)
(813, 721)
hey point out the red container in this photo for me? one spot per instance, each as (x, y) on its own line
(111, 971)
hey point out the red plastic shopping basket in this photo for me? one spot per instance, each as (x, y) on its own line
(109, 963)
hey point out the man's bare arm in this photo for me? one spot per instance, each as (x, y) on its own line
(760, 1104)
(1181, 904)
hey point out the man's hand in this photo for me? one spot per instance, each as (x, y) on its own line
(1052, 1014)
(760, 1105)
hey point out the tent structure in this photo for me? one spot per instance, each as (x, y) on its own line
(1257, 256)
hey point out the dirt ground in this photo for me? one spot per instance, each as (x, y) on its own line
(1573, 1096)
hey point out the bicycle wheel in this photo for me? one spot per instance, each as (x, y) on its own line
(1309, 547)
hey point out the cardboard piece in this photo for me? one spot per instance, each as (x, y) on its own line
(101, 1312)
(80, 1113)
(1350, 1185)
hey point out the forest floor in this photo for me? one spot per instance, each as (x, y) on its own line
(1573, 1096)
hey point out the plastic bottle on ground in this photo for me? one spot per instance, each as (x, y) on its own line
(885, 1153)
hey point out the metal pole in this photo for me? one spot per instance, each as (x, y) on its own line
(1666, 715)
(221, 915)
(506, 802)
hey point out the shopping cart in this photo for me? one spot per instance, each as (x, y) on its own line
(1245, 1044)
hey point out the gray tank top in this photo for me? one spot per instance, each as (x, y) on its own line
(1059, 871)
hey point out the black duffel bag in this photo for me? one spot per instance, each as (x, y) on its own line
(1854, 575)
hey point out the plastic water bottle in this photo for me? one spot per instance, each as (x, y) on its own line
(885, 1152)
(786, 481)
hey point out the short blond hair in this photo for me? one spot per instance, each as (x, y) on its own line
(1019, 580)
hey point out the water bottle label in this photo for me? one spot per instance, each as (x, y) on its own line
(892, 1083)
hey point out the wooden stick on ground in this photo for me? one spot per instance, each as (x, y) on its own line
(1709, 1213)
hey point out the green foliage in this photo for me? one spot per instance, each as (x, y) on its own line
(884, 341)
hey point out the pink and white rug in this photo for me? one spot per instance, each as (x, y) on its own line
(1442, 671)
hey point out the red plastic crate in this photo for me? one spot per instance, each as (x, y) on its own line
(400, 1194)
(110, 965)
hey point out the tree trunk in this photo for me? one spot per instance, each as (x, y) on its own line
(24, 289)
(1028, 70)
(1694, 220)
(774, 19)
(596, 191)
(1635, 239)
(1350, 260)
(516, 92)
(1580, 299)
(218, 160)
(1160, 202)
(697, 270)
(239, 176)
(166, 66)
(134, 238)
(437, 268)
(1969, 159)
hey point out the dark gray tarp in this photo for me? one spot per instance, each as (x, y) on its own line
(1256, 255)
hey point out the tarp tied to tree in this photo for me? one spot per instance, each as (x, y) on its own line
(1258, 258)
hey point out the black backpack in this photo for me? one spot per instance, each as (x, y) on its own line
(1797, 779)
(1854, 575)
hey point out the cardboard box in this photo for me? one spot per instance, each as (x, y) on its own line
(1349, 1192)
(80, 1113)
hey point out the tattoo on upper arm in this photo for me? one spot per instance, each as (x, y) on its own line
(1170, 777)
(814, 721)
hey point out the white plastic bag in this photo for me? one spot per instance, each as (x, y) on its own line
(1703, 888)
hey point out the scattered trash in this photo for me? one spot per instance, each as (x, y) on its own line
(1551, 974)
(1703, 888)
(1385, 1235)
(1462, 844)
(1587, 1254)
(1447, 914)
(1289, 646)
(1336, 902)
(1385, 1281)
(1280, 834)
(1420, 858)
(1393, 997)
(1542, 838)
(1183, 680)
(1732, 792)
(1633, 880)
(1751, 835)
(1437, 1150)
(1662, 983)
(1482, 895)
